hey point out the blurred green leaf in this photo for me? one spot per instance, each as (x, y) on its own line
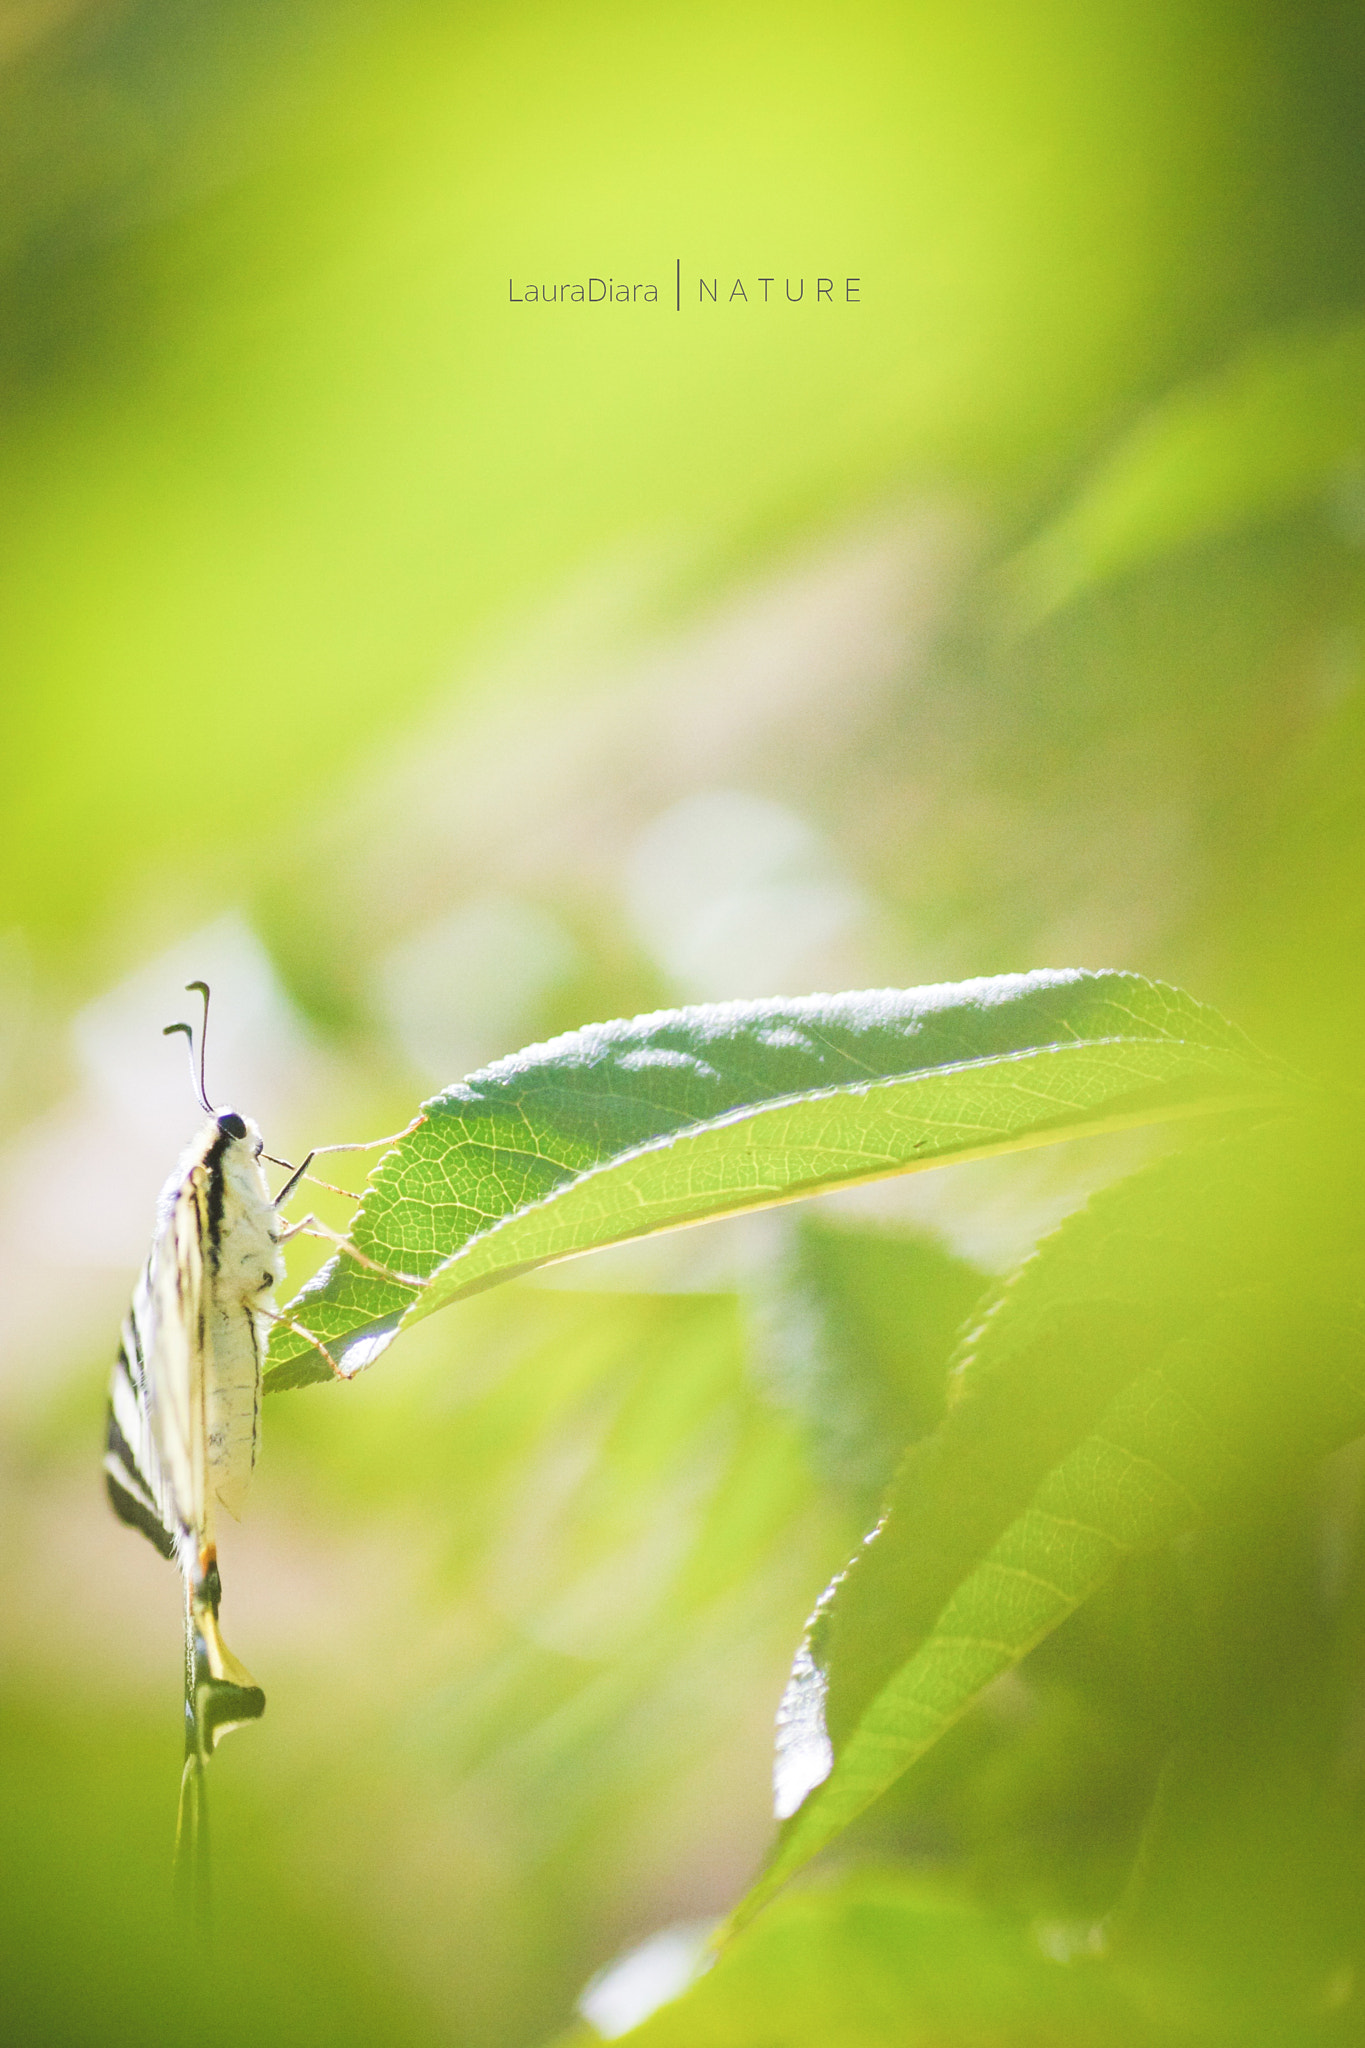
(859, 1336)
(880, 1960)
(1280, 426)
(1150, 1363)
(623, 1129)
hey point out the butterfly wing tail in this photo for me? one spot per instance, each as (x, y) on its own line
(220, 1695)
(225, 1693)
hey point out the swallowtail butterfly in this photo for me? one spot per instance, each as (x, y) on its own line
(185, 1396)
(184, 1419)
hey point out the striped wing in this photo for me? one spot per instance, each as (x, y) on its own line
(154, 1457)
(169, 1385)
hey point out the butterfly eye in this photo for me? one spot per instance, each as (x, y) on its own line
(231, 1124)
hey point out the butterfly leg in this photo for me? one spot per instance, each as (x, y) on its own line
(276, 1315)
(311, 1227)
(330, 1186)
(298, 1173)
(371, 1144)
(301, 1173)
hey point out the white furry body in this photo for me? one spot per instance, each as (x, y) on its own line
(236, 1329)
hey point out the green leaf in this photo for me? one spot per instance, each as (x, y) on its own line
(881, 1960)
(858, 1337)
(1192, 1330)
(1277, 428)
(623, 1129)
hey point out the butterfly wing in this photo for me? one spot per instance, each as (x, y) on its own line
(132, 1469)
(154, 1462)
(159, 1459)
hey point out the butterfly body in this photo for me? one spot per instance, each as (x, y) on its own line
(244, 1264)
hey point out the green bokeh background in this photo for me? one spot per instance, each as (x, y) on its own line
(300, 516)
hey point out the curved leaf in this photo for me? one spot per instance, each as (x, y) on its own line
(623, 1129)
(1152, 1361)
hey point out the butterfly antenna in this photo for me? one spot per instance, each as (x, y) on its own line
(196, 1072)
(203, 989)
(169, 1031)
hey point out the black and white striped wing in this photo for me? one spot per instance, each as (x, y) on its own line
(154, 1456)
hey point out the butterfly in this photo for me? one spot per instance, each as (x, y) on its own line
(183, 1427)
(184, 1420)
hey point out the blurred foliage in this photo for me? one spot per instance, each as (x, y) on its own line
(277, 448)
(1183, 1343)
(1273, 433)
(344, 596)
(834, 1965)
